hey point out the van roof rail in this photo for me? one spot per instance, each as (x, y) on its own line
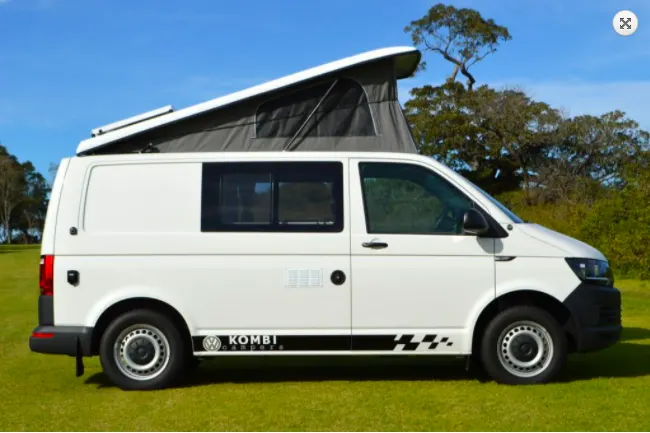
(132, 120)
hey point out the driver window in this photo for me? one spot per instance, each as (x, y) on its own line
(409, 199)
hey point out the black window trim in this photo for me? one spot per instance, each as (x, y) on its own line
(495, 231)
(273, 168)
(321, 82)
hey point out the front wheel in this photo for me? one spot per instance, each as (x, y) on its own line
(523, 345)
(142, 349)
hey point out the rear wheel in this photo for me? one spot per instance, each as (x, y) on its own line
(523, 345)
(142, 349)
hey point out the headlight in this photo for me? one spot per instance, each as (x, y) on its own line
(592, 271)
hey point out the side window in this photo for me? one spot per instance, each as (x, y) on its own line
(245, 198)
(409, 199)
(343, 112)
(275, 197)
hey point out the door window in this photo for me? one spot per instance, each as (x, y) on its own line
(409, 199)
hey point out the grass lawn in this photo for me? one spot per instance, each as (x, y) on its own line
(609, 390)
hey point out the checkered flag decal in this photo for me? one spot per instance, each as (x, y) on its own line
(419, 342)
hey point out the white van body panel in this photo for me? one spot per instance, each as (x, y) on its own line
(133, 244)
(51, 217)
(570, 246)
(549, 275)
(138, 220)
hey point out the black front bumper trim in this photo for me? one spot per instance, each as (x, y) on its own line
(600, 337)
(61, 340)
(596, 316)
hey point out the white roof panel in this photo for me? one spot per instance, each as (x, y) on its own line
(403, 69)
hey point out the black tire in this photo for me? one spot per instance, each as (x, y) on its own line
(161, 334)
(534, 326)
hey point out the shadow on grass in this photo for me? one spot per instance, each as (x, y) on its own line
(630, 334)
(620, 361)
(274, 369)
(624, 360)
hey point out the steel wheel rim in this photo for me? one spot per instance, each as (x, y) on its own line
(156, 347)
(515, 359)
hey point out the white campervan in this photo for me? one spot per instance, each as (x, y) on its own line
(297, 218)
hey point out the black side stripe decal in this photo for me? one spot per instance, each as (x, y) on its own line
(388, 342)
(399, 342)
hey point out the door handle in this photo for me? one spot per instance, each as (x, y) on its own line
(374, 244)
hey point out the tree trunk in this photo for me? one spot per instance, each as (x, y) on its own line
(454, 74)
(526, 186)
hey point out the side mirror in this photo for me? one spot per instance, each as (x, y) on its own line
(474, 223)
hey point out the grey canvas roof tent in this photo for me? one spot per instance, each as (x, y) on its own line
(347, 105)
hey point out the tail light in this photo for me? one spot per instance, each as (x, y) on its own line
(46, 275)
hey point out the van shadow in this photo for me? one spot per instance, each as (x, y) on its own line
(276, 369)
(623, 360)
(630, 334)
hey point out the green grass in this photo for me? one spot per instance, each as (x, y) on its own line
(609, 390)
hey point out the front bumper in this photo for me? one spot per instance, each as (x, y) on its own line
(596, 316)
(61, 340)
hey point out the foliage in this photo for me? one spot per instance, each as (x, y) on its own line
(591, 155)
(620, 223)
(23, 200)
(462, 36)
(495, 138)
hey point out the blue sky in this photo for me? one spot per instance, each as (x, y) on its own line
(67, 66)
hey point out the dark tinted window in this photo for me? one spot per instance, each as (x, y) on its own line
(282, 196)
(409, 199)
(344, 112)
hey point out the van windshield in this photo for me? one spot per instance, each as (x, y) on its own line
(515, 219)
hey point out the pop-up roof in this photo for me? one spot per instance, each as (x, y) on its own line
(347, 105)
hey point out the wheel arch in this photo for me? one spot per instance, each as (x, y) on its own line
(523, 297)
(129, 304)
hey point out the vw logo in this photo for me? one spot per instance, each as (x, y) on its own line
(211, 343)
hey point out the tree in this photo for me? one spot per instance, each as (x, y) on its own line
(493, 137)
(11, 190)
(24, 195)
(591, 153)
(52, 170)
(30, 214)
(519, 131)
(462, 36)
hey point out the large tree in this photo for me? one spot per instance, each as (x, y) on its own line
(462, 36)
(496, 138)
